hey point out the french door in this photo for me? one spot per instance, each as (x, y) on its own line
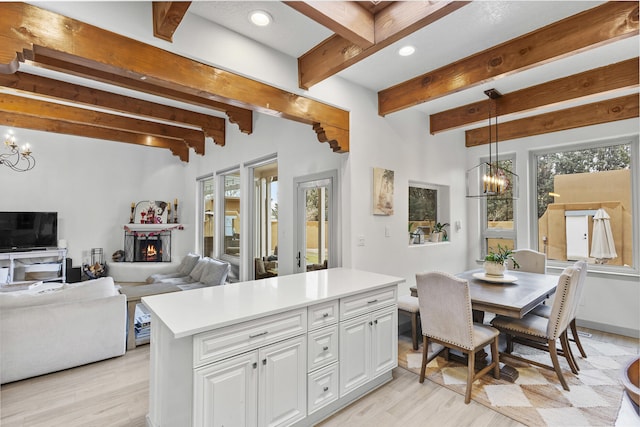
(316, 226)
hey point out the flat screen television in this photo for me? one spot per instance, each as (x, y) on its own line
(24, 231)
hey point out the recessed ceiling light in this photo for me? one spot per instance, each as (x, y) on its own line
(260, 18)
(406, 50)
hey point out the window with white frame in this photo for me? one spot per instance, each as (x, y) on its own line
(499, 216)
(206, 206)
(584, 203)
(428, 210)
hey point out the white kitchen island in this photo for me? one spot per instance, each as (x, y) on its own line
(287, 350)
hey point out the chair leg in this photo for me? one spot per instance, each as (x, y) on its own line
(414, 330)
(471, 360)
(495, 357)
(566, 349)
(509, 348)
(576, 338)
(425, 351)
(553, 351)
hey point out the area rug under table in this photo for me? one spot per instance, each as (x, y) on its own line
(537, 398)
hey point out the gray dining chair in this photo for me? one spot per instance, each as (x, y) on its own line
(446, 318)
(545, 310)
(529, 260)
(542, 333)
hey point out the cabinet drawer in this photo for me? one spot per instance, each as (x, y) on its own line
(322, 388)
(364, 303)
(215, 345)
(322, 347)
(322, 314)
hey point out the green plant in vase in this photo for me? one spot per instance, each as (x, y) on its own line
(494, 261)
(439, 232)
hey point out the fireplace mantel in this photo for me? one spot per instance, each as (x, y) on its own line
(148, 242)
(153, 227)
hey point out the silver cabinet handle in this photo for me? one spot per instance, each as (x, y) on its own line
(258, 335)
(371, 302)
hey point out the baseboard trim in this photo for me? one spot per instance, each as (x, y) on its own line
(627, 332)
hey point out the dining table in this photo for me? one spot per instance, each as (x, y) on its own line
(514, 294)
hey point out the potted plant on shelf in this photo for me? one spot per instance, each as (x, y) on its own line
(494, 261)
(439, 233)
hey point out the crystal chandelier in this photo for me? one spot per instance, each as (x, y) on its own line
(17, 159)
(491, 179)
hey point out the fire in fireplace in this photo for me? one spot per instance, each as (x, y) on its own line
(147, 246)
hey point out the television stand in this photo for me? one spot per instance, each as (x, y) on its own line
(58, 256)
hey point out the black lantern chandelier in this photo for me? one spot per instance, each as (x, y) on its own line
(491, 179)
(17, 159)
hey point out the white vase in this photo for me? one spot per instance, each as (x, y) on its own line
(492, 268)
(436, 236)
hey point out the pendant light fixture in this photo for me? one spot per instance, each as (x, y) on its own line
(491, 178)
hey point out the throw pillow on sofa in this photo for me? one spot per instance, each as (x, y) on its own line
(197, 271)
(187, 263)
(215, 273)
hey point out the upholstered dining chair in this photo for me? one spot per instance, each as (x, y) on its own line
(446, 319)
(545, 310)
(539, 332)
(529, 260)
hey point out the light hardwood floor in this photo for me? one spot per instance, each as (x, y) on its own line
(115, 393)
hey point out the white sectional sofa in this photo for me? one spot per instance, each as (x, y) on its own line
(47, 330)
(194, 272)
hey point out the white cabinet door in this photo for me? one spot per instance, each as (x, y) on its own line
(384, 340)
(368, 347)
(225, 393)
(355, 344)
(283, 383)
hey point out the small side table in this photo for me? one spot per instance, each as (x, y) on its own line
(134, 293)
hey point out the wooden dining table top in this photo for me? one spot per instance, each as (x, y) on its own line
(513, 299)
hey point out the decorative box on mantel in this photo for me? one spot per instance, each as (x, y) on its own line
(148, 242)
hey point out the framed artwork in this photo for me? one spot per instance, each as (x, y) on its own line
(382, 191)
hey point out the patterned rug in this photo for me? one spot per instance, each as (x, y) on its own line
(537, 398)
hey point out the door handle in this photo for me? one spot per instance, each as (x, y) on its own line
(298, 258)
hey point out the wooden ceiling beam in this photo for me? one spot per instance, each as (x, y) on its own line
(610, 110)
(167, 16)
(98, 119)
(236, 115)
(213, 127)
(392, 23)
(346, 18)
(623, 75)
(592, 28)
(74, 42)
(27, 121)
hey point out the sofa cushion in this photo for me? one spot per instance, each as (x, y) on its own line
(81, 291)
(215, 273)
(197, 271)
(187, 263)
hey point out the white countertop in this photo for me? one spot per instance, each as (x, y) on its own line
(190, 312)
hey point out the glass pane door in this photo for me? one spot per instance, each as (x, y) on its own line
(208, 228)
(314, 225)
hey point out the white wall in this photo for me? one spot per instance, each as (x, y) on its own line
(399, 142)
(91, 184)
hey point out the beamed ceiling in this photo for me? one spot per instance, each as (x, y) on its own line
(81, 55)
